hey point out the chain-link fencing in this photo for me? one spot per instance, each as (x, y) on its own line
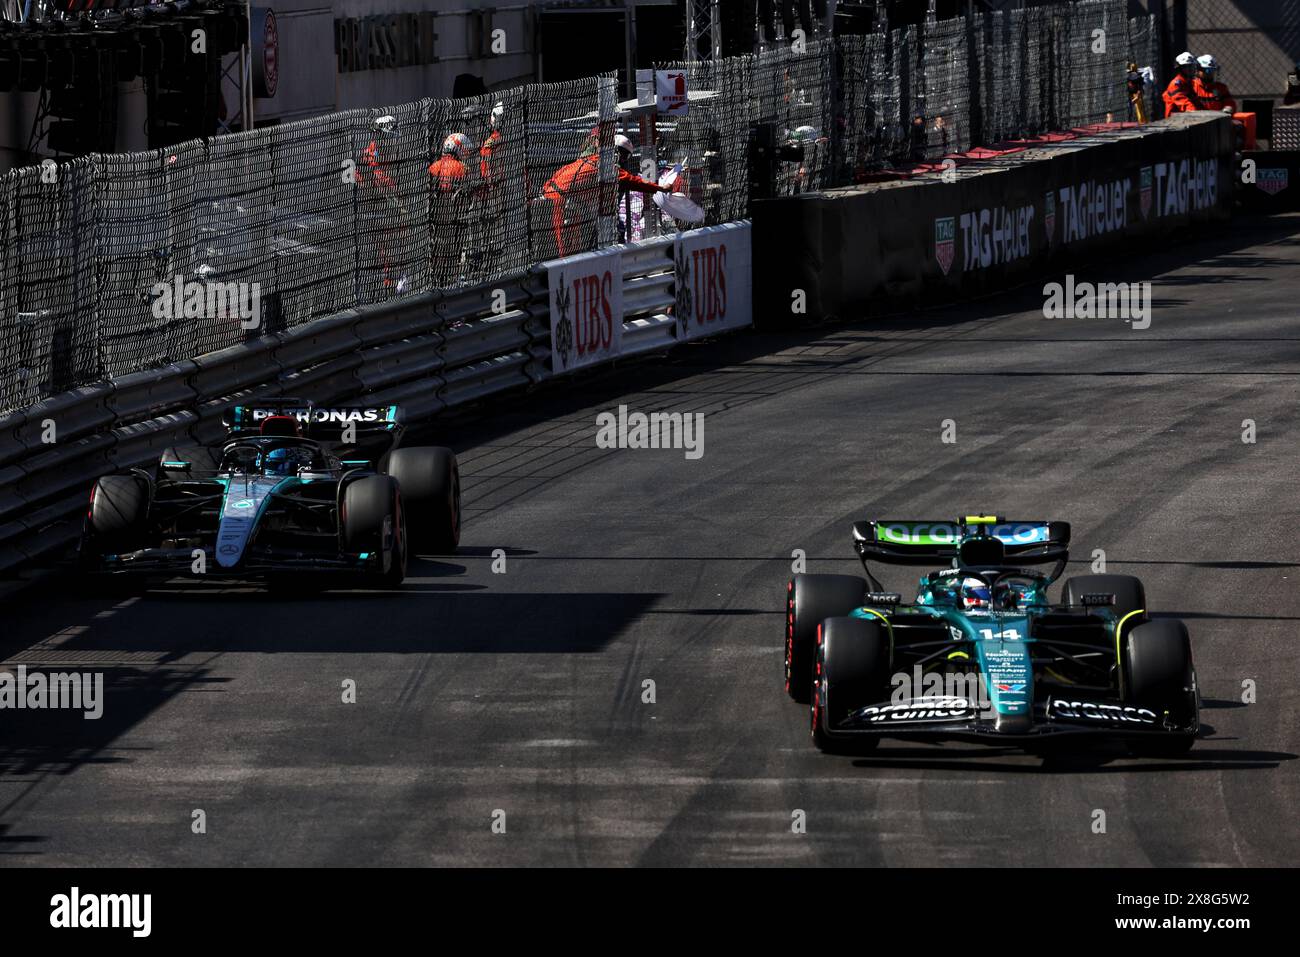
(116, 263)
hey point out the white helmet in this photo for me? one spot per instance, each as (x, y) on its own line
(1207, 63)
(622, 142)
(1185, 59)
(498, 111)
(455, 143)
(386, 124)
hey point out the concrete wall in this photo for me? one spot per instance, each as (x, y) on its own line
(890, 246)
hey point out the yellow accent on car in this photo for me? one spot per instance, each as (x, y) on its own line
(958, 654)
(981, 519)
(1119, 660)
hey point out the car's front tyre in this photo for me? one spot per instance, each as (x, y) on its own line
(373, 521)
(852, 671)
(1159, 675)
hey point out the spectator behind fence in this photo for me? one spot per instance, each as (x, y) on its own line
(574, 193)
(448, 171)
(382, 200)
(1180, 96)
(487, 162)
(1212, 93)
(449, 212)
(492, 175)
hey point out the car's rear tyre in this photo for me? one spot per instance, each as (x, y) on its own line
(808, 600)
(430, 481)
(373, 521)
(1129, 594)
(852, 672)
(1159, 675)
(204, 462)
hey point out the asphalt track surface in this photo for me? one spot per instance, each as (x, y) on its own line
(523, 692)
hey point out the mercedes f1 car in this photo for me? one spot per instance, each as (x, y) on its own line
(981, 653)
(294, 490)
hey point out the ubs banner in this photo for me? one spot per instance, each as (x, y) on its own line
(586, 295)
(713, 291)
(711, 294)
(881, 247)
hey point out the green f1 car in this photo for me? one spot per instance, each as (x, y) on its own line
(982, 654)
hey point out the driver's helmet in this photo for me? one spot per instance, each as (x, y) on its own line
(286, 461)
(975, 595)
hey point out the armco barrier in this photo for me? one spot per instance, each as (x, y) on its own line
(1002, 219)
(425, 353)
(399, 352)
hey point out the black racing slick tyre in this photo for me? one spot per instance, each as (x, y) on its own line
(1159, 676)
(373, 521)
(116, 522)
(1129, 594)
(852, 672)
(430, 481)
(809, 599)
(119, 506)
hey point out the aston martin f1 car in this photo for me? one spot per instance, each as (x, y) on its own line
(982, 653)
(292, 492)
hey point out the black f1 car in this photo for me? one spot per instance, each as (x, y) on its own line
(981, 653)
(294, 490)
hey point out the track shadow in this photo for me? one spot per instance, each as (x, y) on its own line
(1078, 762)
(484, 551)
(1226, 704)
(396, 622)
(19, 844)
(60, 740)
(36, 744)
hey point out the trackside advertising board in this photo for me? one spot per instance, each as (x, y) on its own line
(586, 294)
(711, 289)
(714, 288)
(884, 246)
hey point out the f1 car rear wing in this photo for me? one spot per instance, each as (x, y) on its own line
(914, 542)
(281, 416)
